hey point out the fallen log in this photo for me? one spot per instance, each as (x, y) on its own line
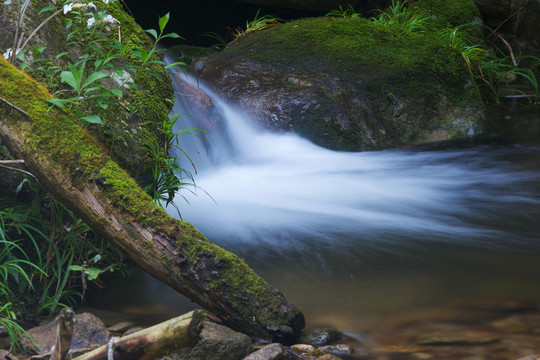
(154, 342)
(72, 165)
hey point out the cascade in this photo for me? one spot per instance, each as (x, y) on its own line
(279, 190)
(353, 239)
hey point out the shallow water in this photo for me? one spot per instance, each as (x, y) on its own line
(354, 239)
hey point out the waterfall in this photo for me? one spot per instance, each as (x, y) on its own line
(280, 191)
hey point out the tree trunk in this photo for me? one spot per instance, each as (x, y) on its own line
(73, 166)
(154, 342)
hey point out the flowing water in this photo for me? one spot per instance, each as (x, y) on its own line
(356, 238)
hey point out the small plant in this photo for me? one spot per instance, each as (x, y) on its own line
(168, 176)
(258, 23)
(15, 332)
(497, 73)
(347, 13)
(472, 54)
(221, 43)
(401, 16)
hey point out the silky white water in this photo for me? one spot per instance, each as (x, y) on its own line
(280, 191)
(353, 239)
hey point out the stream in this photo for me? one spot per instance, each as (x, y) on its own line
(356, 240)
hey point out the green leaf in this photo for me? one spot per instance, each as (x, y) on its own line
(94, 119)
(69, 78)
(163, 22)
(37, 50)
(116, 92)
(57, 102)
(92, 273)
(77, 72)
(47, 8)
(172, 35)
(94, 77)
(76, 268)
(153, 33)
(61, 54)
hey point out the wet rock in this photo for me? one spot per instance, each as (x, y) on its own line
(271, 352)
(302, 348)
(531, 357)
(329, 357)
(316, 353)
(217, 343)
(6, 355)
(89, 332)
(339, 349)
(341, 94)
(121, 327)
(320, 337)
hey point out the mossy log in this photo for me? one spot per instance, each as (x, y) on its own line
(154, 342)
(74, 167)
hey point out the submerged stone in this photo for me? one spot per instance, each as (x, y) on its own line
(273, 351)
(321, 337)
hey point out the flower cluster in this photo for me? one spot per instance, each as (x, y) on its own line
(9, 53)
(106, 19)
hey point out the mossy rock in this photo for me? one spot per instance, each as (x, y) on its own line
(124, 134)
(349, 84)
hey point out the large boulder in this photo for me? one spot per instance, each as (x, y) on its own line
(89, 332)
(348, 84)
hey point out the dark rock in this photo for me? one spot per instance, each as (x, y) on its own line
(217, 342)
(89, 332)
(271, 352)
(320, 337)
(327, 80)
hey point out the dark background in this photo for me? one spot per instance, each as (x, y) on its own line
(190, 19)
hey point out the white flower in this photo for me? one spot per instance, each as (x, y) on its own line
(106, 1)
(91, 5)
(8, 53)
(68, 8)
(90, 21)
(110, 20)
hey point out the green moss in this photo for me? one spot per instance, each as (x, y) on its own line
(362, 52)
(453, 13)
(57, 142)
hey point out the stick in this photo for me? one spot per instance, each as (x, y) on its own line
(64, 333)
(154, 342)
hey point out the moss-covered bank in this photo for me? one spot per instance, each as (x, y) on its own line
(349, 84)
(124, 133)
